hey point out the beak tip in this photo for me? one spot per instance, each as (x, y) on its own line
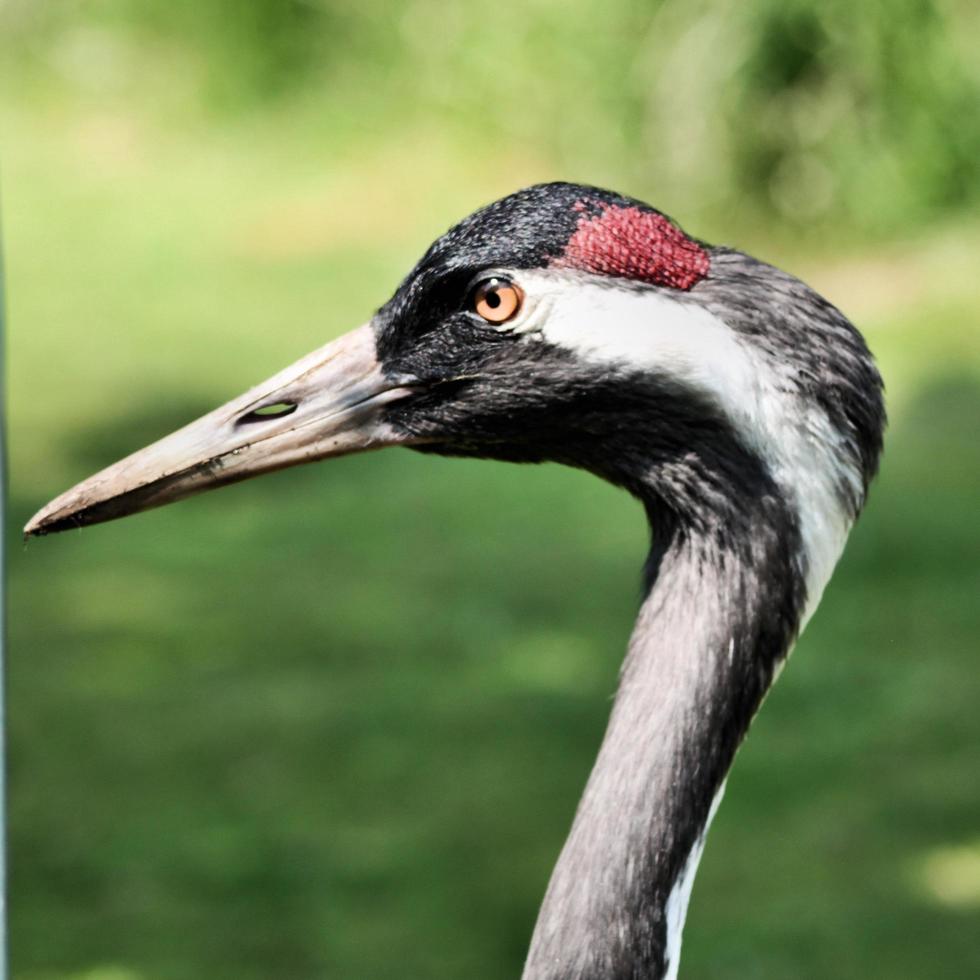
(42, 523)
(64, 512)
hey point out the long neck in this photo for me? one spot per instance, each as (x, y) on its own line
(721, 613)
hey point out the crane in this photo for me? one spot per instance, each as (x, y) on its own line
(571, 324)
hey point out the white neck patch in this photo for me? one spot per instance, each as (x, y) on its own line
(680, 894)
(649, 330)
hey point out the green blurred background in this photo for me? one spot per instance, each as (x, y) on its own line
(334, 723)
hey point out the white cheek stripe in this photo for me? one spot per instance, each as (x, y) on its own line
(648, 330)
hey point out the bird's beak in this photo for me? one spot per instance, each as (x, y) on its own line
(327, 404)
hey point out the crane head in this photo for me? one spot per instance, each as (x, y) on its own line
(562, 323)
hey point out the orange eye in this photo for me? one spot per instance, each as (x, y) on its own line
(497, 300)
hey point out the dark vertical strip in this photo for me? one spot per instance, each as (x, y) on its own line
(4, 952)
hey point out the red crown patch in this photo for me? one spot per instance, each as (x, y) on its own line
(632, 243)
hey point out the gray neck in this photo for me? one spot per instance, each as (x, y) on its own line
(718, 619)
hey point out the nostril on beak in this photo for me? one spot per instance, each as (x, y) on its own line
(265, 413)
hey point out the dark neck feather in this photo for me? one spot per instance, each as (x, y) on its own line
(723, 607)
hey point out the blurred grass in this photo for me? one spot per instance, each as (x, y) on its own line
(786, 111)
(334, 723)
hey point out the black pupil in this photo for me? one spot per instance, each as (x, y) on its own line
(492, 297)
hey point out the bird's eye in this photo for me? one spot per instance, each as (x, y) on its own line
(497, 300)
